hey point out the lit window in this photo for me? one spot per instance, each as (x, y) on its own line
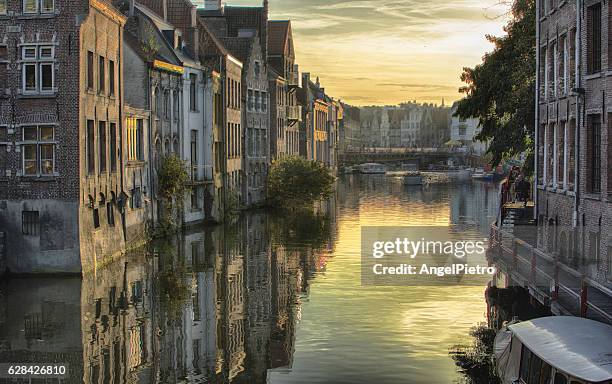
(47, 6)
(38, 152)
(30, 6)
(2, 7)
(33, 6)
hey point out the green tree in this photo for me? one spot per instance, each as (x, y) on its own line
(294, 182)
(173, 179)
(501, 90)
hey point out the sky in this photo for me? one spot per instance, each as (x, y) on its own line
(383, 52)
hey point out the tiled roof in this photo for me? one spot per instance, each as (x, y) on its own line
(216, 25)
(278, 31)
(239, 47)
(243, 18)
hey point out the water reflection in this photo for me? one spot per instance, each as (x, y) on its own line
(268, 300)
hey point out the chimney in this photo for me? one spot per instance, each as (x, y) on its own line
(264, 29)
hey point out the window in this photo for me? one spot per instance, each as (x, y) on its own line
(135, 140)
(38, 68)
(110, 214)
(264, 101)
(544, 72)
(30, 223)
(257, 101)
(30, 6)
(90, 70)
(176, 112)
(594, 38)
(139, 140)
(2, 7)
(102, 145)
(560, 378)
(112, 151)
(38, 152)
(47, 6)
(462, 130)
(564, 65)
(135, 198)
(594, 153)
(101, 74)
(167, 104)
(91, 162)
(193, 82)
(3, 159)
(96, 218)
(250, 100)
(555, 83)
(111, 77)
(257, 68)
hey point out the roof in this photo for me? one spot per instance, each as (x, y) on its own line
(239, 47)
(239, 17)
(579, 347)
(278, 31)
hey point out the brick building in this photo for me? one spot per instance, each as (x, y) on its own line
(242, 31)
(285, 113)
(573, 136)
(255, 115)
(216, 56)
(60, 128)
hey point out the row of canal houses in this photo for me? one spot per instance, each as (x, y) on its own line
(95, 94)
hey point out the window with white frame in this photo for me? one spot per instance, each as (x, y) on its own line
(38, 68)
(38, 150)
(38, 6)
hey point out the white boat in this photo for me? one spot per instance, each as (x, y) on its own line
(372, 168)
(554, 350)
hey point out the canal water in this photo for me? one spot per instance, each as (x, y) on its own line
(269, 299)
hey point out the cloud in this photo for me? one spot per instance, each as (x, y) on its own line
(419, 86)
(389, 51)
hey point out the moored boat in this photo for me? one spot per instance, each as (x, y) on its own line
(554, 350)
(413, 178)
(372, 168)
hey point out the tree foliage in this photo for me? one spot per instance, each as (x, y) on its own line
(501, 90)
(294, 182)
(173, 179)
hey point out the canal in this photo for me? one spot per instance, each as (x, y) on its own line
(269, 299)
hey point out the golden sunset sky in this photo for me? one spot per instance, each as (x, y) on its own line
(376, 52)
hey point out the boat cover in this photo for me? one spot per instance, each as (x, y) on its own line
(507, 356)
(580, 347)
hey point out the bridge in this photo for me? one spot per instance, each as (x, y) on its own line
(422, 157)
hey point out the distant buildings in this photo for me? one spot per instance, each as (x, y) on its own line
(408, 125)
(464, 131)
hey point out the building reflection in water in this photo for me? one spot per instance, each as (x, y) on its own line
(215, 305)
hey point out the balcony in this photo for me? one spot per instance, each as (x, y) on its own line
(294, 113)
(200, 174)
(293, 78)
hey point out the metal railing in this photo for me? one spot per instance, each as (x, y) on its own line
(548, 278)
